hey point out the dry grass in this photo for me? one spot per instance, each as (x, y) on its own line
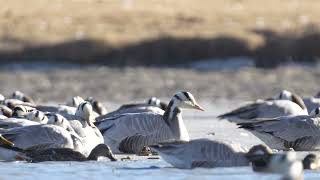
(120, 23)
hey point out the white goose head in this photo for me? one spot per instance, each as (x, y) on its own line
(2, 98)
(75, 101)
(184, 99)
(59, 120)
(84, 110)
(37, 116)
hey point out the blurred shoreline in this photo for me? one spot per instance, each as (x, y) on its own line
(127, 84)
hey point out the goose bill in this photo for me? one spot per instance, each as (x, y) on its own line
(198, 107)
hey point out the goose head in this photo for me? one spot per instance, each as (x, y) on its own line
(21, 96)
(97, 106)
(101, 150)
(315, 112)
(311, 161)
(58, 120)
(287, 95)
(21, 111)
(75, 101)
(185, 100)
(84, 110)
(37, 116)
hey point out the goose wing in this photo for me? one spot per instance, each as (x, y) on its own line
(203, 153)
(24, 137)
(16, 122)
(136, 129)
(289, 129)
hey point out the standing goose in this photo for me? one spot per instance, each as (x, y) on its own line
(301, 133)
(130, 133)
(285, 104)
(152, 105)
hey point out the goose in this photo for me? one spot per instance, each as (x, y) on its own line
(50, 136)
(301, 133)
(286, 164)
(285, 104)
(21, 111)
(312, 102)
(32, 118)
(82, 124)
(152, 105)
(131, 132)
(311, 161)
(22, 97)
(39, 154)
(97, 106)
(202, 153)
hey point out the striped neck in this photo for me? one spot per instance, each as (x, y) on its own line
(172, 112)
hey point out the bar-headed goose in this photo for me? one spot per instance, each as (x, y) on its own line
(49, 136)
(39, 154)
(97, 106)
(22, 97)
(285, 164)
(301, 133)
(31, 118)
(129, 133)
(5, 111)
(202, 153)
(152, 105)
(286, 104)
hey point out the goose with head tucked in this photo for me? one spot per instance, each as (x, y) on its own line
(22, 97)
(31, 118)
(97, 106)
(301, 133)
(152, 105)
(131, 132)
(284, 104)
(39, 154)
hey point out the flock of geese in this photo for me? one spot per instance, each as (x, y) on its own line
(83, 129)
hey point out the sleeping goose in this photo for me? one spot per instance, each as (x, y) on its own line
(5, 111)
(130, 133)
(97, 106)
(202, 153)
(39, 153)
(301, 133)
(285, 104)
(152, 105)
(22, 97)
(32, 118)
(50, 136)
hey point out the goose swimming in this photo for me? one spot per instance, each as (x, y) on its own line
(286, 104)
(129, 133)
(301, 133)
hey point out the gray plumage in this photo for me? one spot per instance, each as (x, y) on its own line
(203, 153)
(16, 122)
(302, 133)
(264, 109)
(311, 103)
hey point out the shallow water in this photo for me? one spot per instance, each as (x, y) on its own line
(200, 124)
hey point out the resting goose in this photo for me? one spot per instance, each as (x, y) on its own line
(202, 153)
(32, 118)
(129, 133)
(97, 106)
(301, 133)
(5, 111)
(286, 104)
(39, 153)
(22, 97)
(152, 105)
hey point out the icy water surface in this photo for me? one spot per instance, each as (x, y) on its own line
(199, 124)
